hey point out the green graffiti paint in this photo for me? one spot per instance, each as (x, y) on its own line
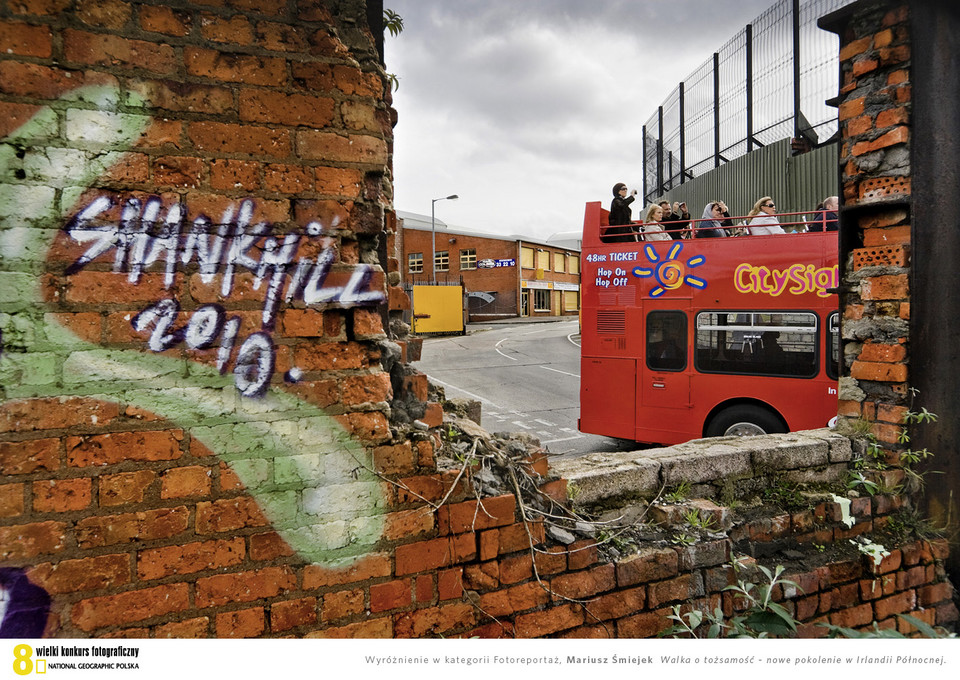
(310, 478)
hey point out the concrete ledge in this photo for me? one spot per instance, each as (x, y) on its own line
(811, 457)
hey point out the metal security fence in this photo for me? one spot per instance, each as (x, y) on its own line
(769, 82)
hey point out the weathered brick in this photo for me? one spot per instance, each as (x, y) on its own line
(25, 40)
(54, 414)
(293, 613)
(11, 500)
(93, 573)
(896, 604)
(646, 566)
(104, 530)
(189, 629)
(130, 607)
(549, 621)
(108, 449)
(269, 546)
(341, 604)
(246, 139)
(23, 541)
(124, 487)
(243, 623)
(477, 515)
(261, 106)
(189, 558)
(228, 514)
(371, 566)
(62, 495)
(580, 585)
(117, 51)
(515, 599)
(235, 68)
(390, 595)
(244, 586)
(183, 482)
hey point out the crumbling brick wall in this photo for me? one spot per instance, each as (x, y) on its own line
(205, 429)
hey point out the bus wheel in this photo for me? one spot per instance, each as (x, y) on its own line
(744, 420)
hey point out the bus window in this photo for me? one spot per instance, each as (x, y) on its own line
(757, 343)
(833, 345)
(666, 341)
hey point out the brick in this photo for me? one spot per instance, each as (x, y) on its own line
(375, 565)
(482, 577)
(243, 623)
(337, 148)
(293, 613)
(855, 47)
(93, 573)
(390, 595)
(882, 352)
(112, 50)
(862, 370)
(105, 530)
(371, 389)
(433, 621)
(547, 622)
(183, 482)
(124, 488)
(931, 595)
(897, 604)
(25, 40)
(450, 584)
(130, 607)
(55, 413)
(235, 68)
(108, 449)
(850, 109)
(679, 588)
(177, 171)
(22, 541)
(11, 500)
(289, 179)
(342, 604)
(341, 182)
(477, 515)
(246, 139)
(583, 584)
(853, 617)
(553, 561)
(616, 605)
(898, 135)
(424, 590)
(644, 625)
(235, 29)
(515, 599)
(408, 523)
(279, 37)
(164, 20)
(376, 628)
(261, 106)
(189, 558)
(244, 586)
(197, 628)
(18, 458)
(228, 515)
(894, 287)
(648, 565)
(62, 495)
(516, 568)
(269, 546)
(371, 428)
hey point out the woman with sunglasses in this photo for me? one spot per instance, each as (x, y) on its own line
(763, 218)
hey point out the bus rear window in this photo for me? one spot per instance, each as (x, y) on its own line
(666, 341)
(757, 343)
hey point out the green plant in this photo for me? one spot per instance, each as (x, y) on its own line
(683, 537)
(761, 618)
(679, 494)
(909, 523)
(393, 23)
(787, 496)
(698, 520)
(925, 629)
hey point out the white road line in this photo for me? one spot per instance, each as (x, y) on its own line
(544, 433)
(460, 389)
(572, 341)
(497, 350)
(547, 368)
(565, 439)
(545, 422)
(519, 424)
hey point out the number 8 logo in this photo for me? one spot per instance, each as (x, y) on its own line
(22, 665)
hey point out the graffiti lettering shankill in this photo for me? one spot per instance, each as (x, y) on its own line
(144, 236)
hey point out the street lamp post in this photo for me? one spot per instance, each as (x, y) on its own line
(433, 228)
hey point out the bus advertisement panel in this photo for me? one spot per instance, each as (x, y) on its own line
(690, 337)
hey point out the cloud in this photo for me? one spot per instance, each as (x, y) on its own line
(528, 110)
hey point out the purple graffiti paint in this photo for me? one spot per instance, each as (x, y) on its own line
(24, 606)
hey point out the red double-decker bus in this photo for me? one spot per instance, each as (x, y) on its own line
(692, 337)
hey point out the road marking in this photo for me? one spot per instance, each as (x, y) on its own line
(572, 341)
(519, 424)
(497, 349)
(565, 439)
(547, 368)
(460, 389)
(545, 422)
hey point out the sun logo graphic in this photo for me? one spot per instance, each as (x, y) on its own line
(670, 273)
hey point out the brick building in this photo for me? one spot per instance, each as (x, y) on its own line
(503, 276)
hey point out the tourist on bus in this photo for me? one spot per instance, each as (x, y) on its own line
(652, 230)
(675, 219)
(621, 221)
(827, 218)
(762, 220)
(715, 217)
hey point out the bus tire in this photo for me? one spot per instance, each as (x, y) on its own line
(744, 420)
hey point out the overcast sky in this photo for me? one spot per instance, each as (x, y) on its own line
(527, 109)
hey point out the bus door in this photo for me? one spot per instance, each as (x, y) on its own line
(663, 371)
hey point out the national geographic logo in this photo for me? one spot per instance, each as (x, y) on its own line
(72, 657)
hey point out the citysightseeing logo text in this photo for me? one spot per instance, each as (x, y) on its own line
(796, 279)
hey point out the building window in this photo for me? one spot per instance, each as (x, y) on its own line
(541, 300)
(543, 260)
(571, 300)
(415, 263)
(526, 258)
(574, 265)
(442, 261)
(468, 259)
(558, 263)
